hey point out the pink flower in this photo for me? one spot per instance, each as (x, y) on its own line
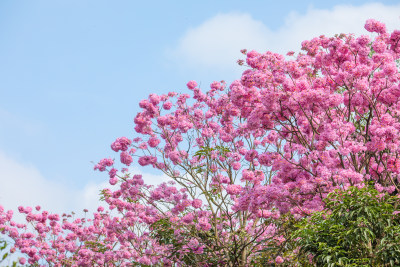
(379, 46)
(101, 166)
(22, 261)
(193, 244)
(154, 99)
(188, 218)
(279, 260)
(251, 155)
(144, 260)
(113, 181)
(203, 224)
(264, 213)
(272, 136)
(167, 105)
(153, 142)
(126, 158)
(248, 175)
(143, 146)
(196, 203)
(121, 143)
(390, 189)
(236, 165)
(378, 187)
(372, 25)
(191, 85)
(216, 86)
(146, 160)
(175, 157)
(112, 173)
(233, 189)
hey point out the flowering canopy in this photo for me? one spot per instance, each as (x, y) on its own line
(240, 158)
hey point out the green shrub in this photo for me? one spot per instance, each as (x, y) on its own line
(358, 227)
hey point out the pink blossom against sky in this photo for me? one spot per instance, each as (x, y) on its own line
(73, 73)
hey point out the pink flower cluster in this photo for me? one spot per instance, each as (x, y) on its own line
(239, 157)
(121, 143)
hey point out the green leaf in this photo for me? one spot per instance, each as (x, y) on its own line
(345, 231)
(5, 256)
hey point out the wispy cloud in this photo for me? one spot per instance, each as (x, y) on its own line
(22, 184)
(215, 44)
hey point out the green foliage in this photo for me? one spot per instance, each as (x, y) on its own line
(163, 231)
(206, 151)
(96, 246)
(285, 226)
(4, 254)
(358, 227)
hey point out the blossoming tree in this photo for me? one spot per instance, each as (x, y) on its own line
(243, 161)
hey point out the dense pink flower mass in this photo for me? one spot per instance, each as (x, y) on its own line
(240, 158)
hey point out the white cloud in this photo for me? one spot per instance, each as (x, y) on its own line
(340, 19)
(22, 184)
(215, 44)
(217, 41)
(91, 194)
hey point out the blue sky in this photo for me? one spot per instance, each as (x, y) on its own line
(73, 72)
